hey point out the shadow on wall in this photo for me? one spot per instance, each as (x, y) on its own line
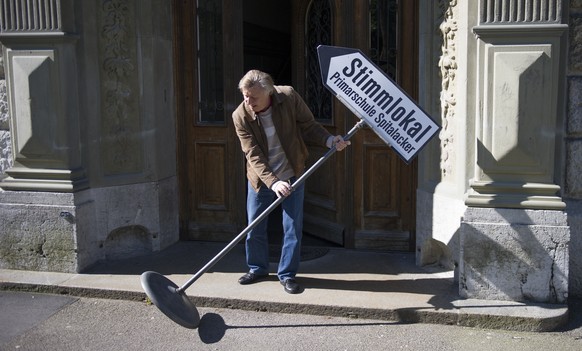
(126, 242)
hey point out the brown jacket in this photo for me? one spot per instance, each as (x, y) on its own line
(295, 126)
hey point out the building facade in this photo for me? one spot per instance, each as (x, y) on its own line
(116, 139)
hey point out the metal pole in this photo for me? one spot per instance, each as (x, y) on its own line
(267, 211)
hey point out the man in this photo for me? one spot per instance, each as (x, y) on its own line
(273, 123)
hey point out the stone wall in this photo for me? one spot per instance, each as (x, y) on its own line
(573, 147)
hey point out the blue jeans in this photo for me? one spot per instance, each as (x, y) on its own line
(257, 243)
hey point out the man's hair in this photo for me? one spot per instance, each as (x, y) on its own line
(256, 78)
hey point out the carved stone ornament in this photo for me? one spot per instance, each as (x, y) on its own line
(120, 116)
(448, 69)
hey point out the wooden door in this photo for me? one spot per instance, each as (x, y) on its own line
(208, 64)
(360, 198)
(364, 197)
(384, 185)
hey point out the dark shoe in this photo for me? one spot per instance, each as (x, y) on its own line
(250, 278)
(291, 286)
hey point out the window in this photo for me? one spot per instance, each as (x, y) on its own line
(317, 32)
(383, 34)
(210, 70)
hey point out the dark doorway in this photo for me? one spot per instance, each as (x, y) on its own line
(267, 38)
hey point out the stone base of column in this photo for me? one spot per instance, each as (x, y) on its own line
(38, 231)
(514, 254)
(69, 232)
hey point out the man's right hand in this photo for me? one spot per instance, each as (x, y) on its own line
(282, 188)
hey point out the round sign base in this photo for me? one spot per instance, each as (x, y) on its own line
(173, 303)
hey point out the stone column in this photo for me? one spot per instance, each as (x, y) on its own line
(40, 63)
(514, 233)
(91, 102)
(38, 228)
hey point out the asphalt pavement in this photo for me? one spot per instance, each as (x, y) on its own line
(33, 321)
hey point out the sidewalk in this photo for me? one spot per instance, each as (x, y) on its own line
(337, 282)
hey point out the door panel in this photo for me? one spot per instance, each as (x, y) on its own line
(385, 194)
(211, 194)
(211, 190)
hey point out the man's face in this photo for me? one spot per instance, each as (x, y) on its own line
(256, 98)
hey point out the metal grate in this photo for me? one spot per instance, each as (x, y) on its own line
(30, 15)
(520, 11)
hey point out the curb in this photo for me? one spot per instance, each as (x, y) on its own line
(528, 317)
